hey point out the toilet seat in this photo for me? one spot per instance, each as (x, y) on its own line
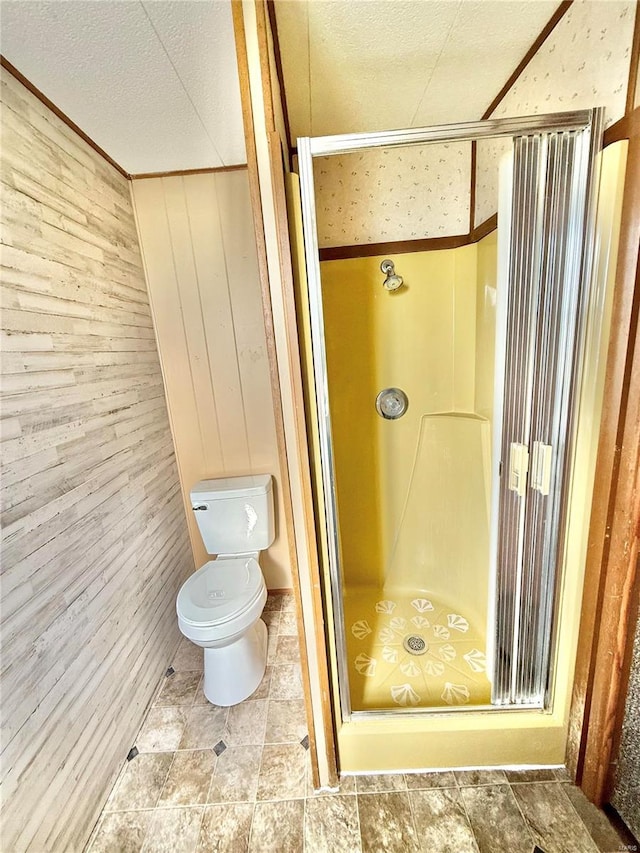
(220, 592)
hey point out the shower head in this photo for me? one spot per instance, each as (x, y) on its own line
(392, 281)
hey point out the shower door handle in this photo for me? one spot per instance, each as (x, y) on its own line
(518, 468)
(541, 467)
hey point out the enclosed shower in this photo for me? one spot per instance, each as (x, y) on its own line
(446, 386)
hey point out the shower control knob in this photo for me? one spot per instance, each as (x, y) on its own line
(391, 403)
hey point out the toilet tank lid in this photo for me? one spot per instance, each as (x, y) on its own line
(231, 487)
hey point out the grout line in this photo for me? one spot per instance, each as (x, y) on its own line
(576, 812)
(466, 814)
(522, 814)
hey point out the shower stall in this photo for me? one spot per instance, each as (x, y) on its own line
(444, 391)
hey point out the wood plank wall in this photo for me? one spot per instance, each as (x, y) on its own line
(95, 539)
(200, 258)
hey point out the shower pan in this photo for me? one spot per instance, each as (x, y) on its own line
(444, 517)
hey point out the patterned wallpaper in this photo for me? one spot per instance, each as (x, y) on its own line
(584, 63)
(393, 194)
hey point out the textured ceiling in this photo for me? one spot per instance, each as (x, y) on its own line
(363, 65)
(154, 83)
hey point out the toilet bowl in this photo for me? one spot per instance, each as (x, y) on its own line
(219, 606)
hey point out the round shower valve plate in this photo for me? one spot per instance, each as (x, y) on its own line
(391, 403)
(415, 645)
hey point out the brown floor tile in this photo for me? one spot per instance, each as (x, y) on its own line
(552, 820)
(386, 823)
(173, 831)
(162, 730)
(562, 775)
(496, 820)
(282, 772)
(272, 643)
(140, 782)
(271, 617)
(597, 823)
(189, 779)
(440, 821)
(122, 831)
(530, 775)
(226, 828)
(286, 721)
(262, 691)
(235, 778)
(179, 689)
(288, 602)
(246, 723)
(199, 697)
(274, 602)
(204, 727)
(480, 777)
(446, 779)
(379, 782)
(188, 657)
(288, 623)
(331, 825)
(278, 827)
(287, 649)
(286, 682)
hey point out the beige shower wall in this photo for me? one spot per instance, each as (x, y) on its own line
(434, 339)
(584, 63)
(200, 260)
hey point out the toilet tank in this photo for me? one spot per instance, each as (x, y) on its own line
(235, 514)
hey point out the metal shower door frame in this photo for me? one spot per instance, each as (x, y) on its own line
(308, 148)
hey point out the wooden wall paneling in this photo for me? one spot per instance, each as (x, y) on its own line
(203, 279)
(155, 242)
(94, 539)
(208, 319)
(196, 266)
(244, 288)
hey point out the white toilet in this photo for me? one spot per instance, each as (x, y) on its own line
(219, 606)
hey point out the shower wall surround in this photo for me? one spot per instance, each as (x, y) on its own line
(583, 63)
(95, 538)
(435, 338)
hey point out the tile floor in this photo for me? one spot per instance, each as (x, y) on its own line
(216, 779)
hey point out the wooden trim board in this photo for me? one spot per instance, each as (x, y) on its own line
(273, 23)
(210, 170)
(254, 182)
(633, 65)
(546, 31)
(429, 244)
(608, 576)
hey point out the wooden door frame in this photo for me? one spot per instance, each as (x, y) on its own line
(293, 455)
(610, 599)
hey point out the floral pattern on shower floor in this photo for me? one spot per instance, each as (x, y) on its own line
(381, 627)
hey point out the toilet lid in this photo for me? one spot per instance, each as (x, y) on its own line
(219, 591)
